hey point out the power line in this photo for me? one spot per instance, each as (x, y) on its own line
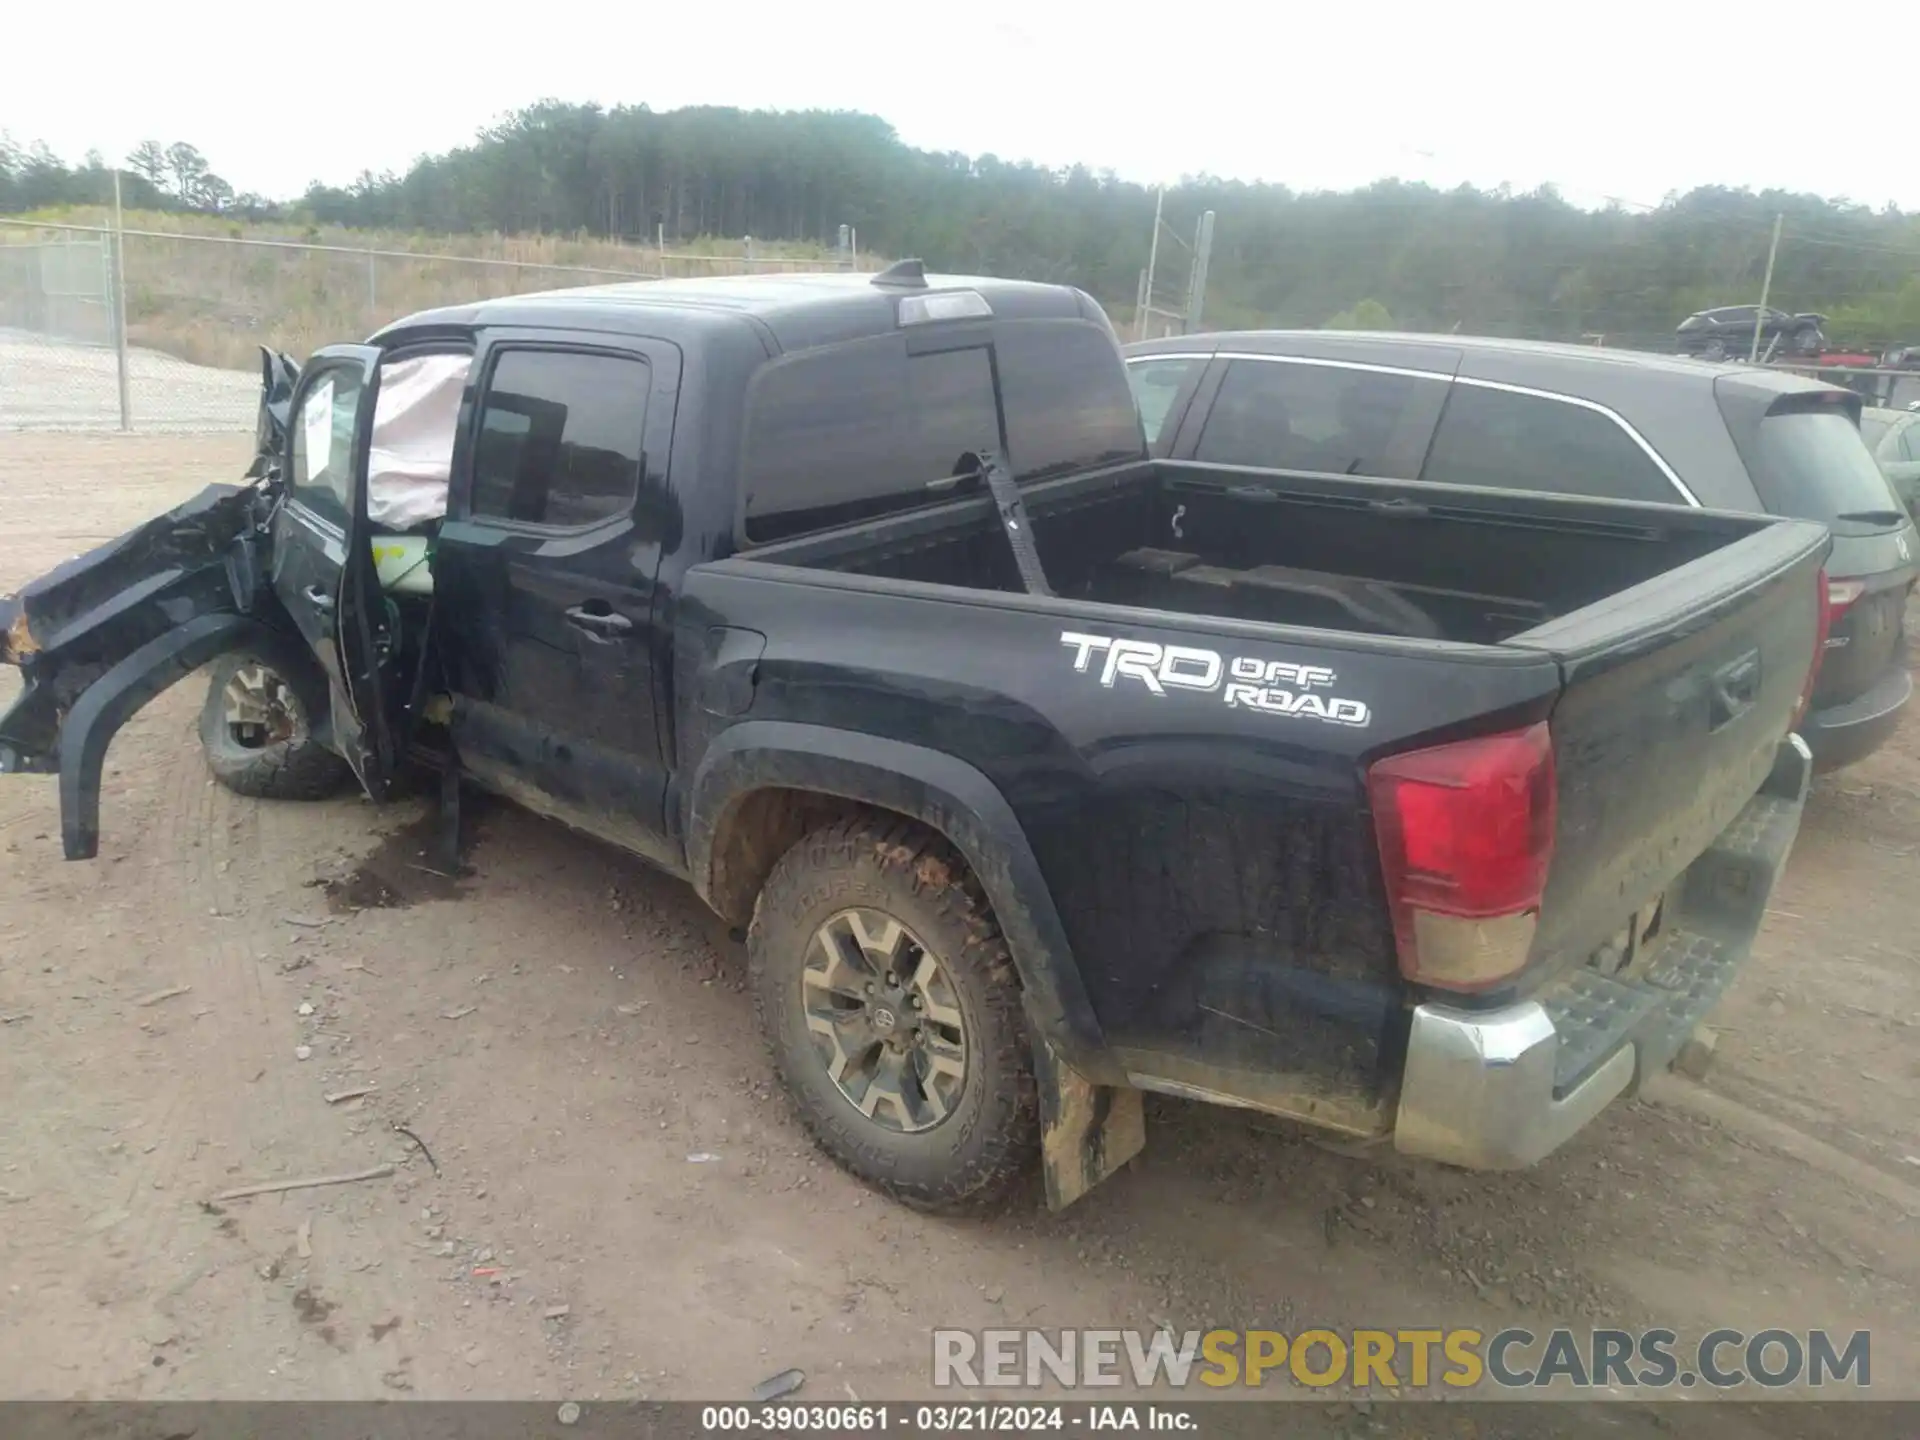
(1803, 239)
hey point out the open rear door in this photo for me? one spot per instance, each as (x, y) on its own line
(323, 567)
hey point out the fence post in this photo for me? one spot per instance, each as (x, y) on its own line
(117, 280)
(749, 254)
(373, 289)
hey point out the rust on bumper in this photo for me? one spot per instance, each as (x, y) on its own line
(16, 638)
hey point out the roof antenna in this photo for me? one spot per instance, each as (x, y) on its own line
(904, 274)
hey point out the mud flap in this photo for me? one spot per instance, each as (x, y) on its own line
(1087, 1131)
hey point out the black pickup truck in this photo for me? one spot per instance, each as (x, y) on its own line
(1040, 773)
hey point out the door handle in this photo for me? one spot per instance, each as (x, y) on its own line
(1735, 685)
(318, 598)
(611, 623)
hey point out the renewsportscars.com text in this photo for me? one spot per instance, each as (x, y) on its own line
(1458, 1359)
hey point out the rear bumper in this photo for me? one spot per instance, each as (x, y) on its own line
(1845, 733)
(1500, 1089)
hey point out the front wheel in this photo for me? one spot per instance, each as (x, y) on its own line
(258, 737)
(890, 1005)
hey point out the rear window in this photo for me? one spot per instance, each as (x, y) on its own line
(1068, 404)
(861, 430)
(866, 429)
(1813, 465)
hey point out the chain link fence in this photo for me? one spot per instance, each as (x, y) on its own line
(157, 331)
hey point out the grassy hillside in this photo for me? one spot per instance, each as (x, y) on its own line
(213, 298)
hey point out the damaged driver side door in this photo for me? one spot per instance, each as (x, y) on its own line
(322, 566)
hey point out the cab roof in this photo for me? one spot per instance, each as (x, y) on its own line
(796, 311)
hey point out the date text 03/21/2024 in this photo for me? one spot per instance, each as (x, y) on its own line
(943, 1419)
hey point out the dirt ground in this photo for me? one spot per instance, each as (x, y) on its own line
(566, 1032)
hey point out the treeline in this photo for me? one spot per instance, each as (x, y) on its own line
(1391, 253)
(153, 177)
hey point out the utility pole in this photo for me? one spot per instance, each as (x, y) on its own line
(1197, 281)
(1766, 288)
(1153, 257)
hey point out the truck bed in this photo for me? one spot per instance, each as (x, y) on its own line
(1215, 864)
(1357, 556)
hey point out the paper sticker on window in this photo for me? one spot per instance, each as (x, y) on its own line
(316, 423)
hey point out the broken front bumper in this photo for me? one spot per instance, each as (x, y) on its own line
(1500, 1089)
(100, 635)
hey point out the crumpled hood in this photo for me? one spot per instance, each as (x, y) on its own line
(105, 587)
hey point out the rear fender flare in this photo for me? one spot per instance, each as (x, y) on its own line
(113, 699)
(942, 792)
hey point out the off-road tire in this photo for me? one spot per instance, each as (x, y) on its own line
(976, 1156)
(296, 768)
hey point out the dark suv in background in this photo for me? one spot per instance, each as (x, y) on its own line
(1578, 419)
(1729, 331)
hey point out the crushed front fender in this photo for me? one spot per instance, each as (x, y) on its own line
(98, 636)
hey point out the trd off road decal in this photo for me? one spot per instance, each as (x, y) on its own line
(1278, 687)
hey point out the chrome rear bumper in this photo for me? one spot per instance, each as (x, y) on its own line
(1500, 1089)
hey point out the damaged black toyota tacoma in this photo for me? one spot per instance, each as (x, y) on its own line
(1039, 773)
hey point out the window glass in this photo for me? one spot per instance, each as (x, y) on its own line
(1066, 396)
(952, 414)
(560, 436)
(322, 442)
(860, 430)
(1530, 442)
(867, 428)
(1332, 419)
(1156, 385)
(1812, 465)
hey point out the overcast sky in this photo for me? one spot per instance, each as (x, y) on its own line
(1625, 100)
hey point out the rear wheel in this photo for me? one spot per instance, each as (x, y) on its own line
(890, 1004)
(258, 737)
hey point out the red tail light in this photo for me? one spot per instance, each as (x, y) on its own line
(1466, 837)
(1834, 597)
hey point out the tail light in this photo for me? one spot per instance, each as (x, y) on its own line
(1466, 836)
(1834, 597)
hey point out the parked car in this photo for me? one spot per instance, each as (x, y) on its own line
(1727, 332)
(1039, 772)
(1574, 418)
(1894, 437)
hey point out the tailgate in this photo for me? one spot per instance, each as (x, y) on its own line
(1677, 695)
